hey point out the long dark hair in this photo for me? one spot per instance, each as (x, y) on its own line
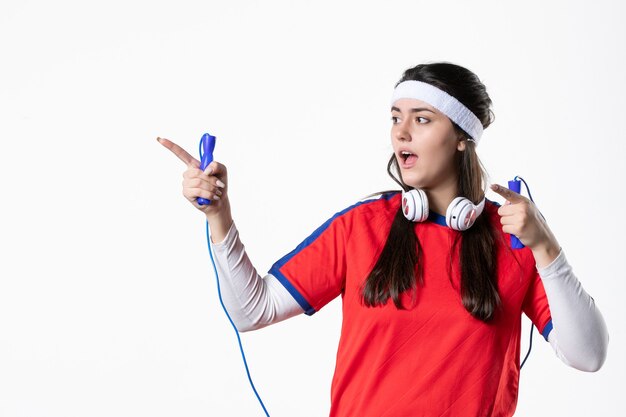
(401, 258)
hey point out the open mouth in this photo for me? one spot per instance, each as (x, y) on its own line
(408, 157)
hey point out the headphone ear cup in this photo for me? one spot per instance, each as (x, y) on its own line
(453, 212)
(462, 213)
(415, 205)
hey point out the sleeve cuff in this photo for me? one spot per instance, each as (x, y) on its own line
(547, 329)
(308, 309)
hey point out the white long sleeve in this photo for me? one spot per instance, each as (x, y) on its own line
(252, 302)
(579, 336)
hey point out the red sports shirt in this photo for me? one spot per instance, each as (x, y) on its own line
(435, 358)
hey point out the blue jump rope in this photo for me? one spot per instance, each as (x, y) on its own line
(207, 145)
(515, 185)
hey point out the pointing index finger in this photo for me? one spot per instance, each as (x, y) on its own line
(511, 196)
(182, 154)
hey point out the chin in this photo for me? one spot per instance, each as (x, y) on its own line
(412, 180)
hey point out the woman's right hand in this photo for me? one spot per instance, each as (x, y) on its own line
(210, 183)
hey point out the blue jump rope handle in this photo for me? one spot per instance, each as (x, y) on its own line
(515, 185)
(207, 144)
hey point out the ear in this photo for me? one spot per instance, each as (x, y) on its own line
(460, 146)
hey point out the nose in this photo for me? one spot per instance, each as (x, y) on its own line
(400, 132)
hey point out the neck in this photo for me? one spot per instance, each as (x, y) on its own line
(439, 198)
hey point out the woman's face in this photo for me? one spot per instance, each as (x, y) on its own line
(429, 136)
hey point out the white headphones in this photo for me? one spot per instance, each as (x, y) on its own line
(460, 215)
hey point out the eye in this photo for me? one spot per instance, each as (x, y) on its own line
(394, 119)
(417, 118)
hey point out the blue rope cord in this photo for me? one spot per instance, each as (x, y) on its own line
(532, 326)
(219, 293)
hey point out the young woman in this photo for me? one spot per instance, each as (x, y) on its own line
(432, 289)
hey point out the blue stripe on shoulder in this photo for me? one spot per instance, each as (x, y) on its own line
(275, 269)
(546, 330)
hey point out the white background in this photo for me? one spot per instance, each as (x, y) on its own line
(108, 302)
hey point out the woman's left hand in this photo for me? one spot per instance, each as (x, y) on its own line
(520, 217)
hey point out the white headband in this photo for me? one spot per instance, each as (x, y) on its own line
(443, 102)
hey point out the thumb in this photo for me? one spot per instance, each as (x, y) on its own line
(216, 169)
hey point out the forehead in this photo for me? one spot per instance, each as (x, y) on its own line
(406, 104)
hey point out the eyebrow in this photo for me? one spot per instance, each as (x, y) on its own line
(414, 110)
